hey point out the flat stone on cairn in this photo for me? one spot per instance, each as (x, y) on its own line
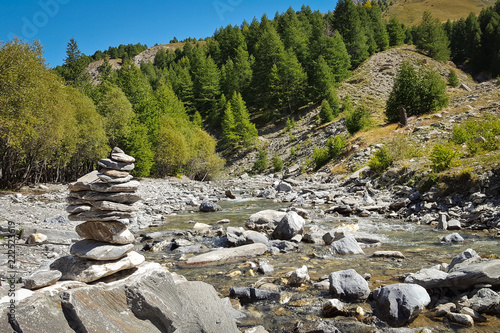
(102, 199)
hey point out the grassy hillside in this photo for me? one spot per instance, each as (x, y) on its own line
(410, 12)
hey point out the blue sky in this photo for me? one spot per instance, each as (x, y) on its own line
(98, 24)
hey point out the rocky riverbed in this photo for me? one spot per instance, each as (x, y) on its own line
(302, 253)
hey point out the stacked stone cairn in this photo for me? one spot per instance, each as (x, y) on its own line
(103, 199)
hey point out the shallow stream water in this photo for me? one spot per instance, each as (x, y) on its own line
(420, 245)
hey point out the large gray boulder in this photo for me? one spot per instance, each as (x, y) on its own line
(148, 300)
(487, 272)
(399, 304)
(463, 259)
(346, 245)
(348, 285)
(264, 220)
(485, 300)
(209, 206)
(427, 278)
(290, 225)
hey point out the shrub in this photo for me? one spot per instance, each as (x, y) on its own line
(453, 79)
(381, 160)
(277, 163)
(326, 113)
(335, 145)
(290, 124)
(261, 164)
(442, 157)
(357, 120)
(419, 92)
(478, 135)
(320, 156)
(292, 151)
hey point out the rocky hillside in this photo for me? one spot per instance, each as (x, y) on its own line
(370, 86)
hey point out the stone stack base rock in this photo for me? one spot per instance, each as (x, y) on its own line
(103, 199)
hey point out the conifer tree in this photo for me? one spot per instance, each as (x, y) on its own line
(326, 114)
(432, 39)
(345, 19)
(395, 31)
(244, 128)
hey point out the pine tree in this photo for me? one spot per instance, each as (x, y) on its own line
(326, 114)
(432, 39)
(396, 34)
(453, 79)
(345, 19)
(244, 128)
(236, 74)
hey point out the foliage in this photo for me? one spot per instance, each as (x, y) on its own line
(277, 163)
(453, 79)
(326, 113)
(290, 124)
(333, 149)
(432, 39)
(357, 119)
(237, 129)
(478, 135)
(380, 160)
(442, 157)
(396, 33)
(418, 92)
(260, 164)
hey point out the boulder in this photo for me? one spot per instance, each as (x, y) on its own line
(348, 285)
(41, 279)
(388, 254)
(333, 307)
(460, 318)
(299, 276)
(92, 249)
(427, 278)
(112, 232)
(217, 256)
(452, 238)
(284, 187)
(346, 245)
(465, 258)
(84, 270)
(399, 304)
(485, 300)
(248, 295)
(289, 226)
(454, 224)
(264, 220)
(147, 300)
(209, 206)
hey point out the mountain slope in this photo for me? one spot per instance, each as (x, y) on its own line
(410, 12)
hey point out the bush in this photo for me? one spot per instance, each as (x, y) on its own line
(442, 157)
(381, 160)
(320, 156)
(277, 163)
(334, 146)
(357, 120)
(478, 135)
(453, 79)
(261, 164)
(290, 124)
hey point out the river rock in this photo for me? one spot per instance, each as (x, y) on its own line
(114, 180)
(399, 304)
(114, 173)
(460, 318)
(333, 307)
(487, 272)
(94, 215)
(120, 197)
(348, 285)
(453, 238)
(112, 232)
(427, 278)
(289, 226)
(92, 249)
(83, 183)
(264, 220)
(247, 295)
(148, 300)
(84, 270)
(41, 279)
(299, 276)
(388, 254)
(346, 245)
(73, 209)
(244, 251)
(284, 187)
(465, 258)
(454, 224)
(209, 206)
(113, 206)
(120, 166)
(119, 155)
(485, 300)
(130, 186)
(37, 238)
